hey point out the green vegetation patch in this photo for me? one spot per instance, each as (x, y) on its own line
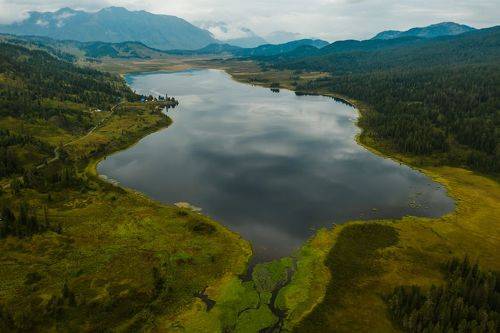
(309, 280)
(354, 255)
(270, 276)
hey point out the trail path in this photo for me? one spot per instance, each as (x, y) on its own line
(56, 150)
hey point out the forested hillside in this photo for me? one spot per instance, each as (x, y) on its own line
(431, 31)
(439, 96)
(72, 51)
(38, 89)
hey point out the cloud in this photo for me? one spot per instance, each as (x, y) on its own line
(223, 30)
(329, 19)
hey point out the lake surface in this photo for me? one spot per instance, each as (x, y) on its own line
(273, 167)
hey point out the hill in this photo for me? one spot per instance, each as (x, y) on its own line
(114, 25)
(274, 50)
(431, 31)
(267, 50)
(360, 56)
(247, 42)
(70, 50)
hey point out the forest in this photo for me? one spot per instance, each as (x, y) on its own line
(439, 97)
(30, 77)
(38, 88)
(469, 301)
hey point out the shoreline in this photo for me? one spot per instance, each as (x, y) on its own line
(90, 169)
(309, 304)
(436, 174)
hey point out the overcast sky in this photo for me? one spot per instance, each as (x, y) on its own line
(328, 19)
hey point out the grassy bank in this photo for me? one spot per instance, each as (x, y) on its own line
(122, 260)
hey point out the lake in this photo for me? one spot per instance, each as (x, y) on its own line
(274, 167)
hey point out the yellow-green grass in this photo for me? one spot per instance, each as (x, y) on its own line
(354, 300)
(112, 239)
(310, 279)
(136, 66)
(240, 306)
(43, 130)
(119, 130)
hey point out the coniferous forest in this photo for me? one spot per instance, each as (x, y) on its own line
(437, 97)
(469, 301)
(37, 87)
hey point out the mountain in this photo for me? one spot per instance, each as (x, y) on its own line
(247, 42)
(267, 50)
(472, 47)
(133, 50)
(273, 50)
(70, 50)
(431, 31)
(114, 25)
(369, 45)
(281, 37)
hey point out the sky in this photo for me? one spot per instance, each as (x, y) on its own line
(328, 19)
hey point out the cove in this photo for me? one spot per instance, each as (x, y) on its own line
(273, 167)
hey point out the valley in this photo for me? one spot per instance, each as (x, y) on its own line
(300, 187)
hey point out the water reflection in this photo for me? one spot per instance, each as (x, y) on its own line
(271, 166)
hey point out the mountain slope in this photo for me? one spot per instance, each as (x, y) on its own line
(248, 42)
(353, 56)
(267, 50)
(431, 31)
(273, 50)
(113, 25)
(281, 37)
(71, 50)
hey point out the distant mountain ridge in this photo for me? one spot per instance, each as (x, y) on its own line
(272, 49)
(431, 31)
(71, 50)
(478, 46)
(266, 50)
(114, 25)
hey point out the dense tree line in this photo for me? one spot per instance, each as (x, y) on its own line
(452, 110)
(9, 162)
(348, 57)
(25, 224)
(437, 96)
(469, 301)
(60, 176)
(44, 76)
(36, 85)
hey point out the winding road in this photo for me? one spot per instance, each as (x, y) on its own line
(56, 150)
